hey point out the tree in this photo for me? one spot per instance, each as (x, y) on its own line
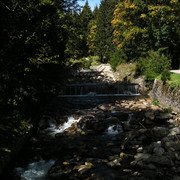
(78, 27)
(33, 40)
(85, 17)
(92, 31)
(104, 35)
(144, 25)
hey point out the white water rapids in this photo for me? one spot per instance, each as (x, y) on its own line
(114, 129)
(38, 170)
(35, 170)
(53, 129)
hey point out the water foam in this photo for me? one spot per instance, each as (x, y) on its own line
(36, 170)
(53, 129)
(114, 129)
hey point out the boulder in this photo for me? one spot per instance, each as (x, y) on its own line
(114, 163)
(139, 150)
(142, 156)
(150, 115)
(159, 132)
(102, 107)
(83, 168)
(172, 141)
(159, 151)
(160, 160)
(175, 131)
(164, 116)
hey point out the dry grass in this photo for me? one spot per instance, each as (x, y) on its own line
(126, 72)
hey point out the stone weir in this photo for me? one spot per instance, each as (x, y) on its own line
(98, 92)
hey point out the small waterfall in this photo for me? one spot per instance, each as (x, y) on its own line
(114, 129)
(54, 129)
(35, 171)
(100, 89)
(129, 117)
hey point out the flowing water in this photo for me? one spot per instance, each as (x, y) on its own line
(114, 129)
(35, 170)
(87, 130)
(38, 170)
(99, 90)
(54, 128)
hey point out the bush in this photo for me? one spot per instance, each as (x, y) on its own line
(117, 58)
(153, 64)
(84, 63)
(155, 102)
(165, 75)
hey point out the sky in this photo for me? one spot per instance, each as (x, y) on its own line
(92, 3)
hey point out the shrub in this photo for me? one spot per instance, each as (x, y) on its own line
(86, 63)
(165, 75)
(167, 110)
(95, 60)
(117, 58)
(155, 102)
(80, 63)
(153, 64)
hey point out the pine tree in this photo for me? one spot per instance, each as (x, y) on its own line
(91, 38)
(104, 36)
(85, 17)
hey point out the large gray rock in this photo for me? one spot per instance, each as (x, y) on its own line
(175, 130)
(160, 160)
(164, 116)
(142, 156)
(171, 142)
(150, 115)
(159, 132)
(159, 151)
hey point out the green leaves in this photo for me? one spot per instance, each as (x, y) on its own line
(117, 58)
(34, 34)
(153, 64)
(104, 46)
(148, 25)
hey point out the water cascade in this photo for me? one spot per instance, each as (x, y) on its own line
(53, 128)
(36, 170)
(114, 129)
(99, 90)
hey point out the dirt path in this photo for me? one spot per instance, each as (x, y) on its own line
(175, 71)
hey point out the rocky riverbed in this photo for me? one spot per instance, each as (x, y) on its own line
(128, 139)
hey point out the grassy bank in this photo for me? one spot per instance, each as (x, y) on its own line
(174, 79)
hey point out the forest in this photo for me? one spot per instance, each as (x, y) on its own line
(41, 38)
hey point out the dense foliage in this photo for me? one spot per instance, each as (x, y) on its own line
(39, 37)
(33, 41)
(117, 58)
(77, 46)
(104, 35)
(142, 25)
(153, 64)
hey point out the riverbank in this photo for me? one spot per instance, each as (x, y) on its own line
(125, 138)
(128, 139)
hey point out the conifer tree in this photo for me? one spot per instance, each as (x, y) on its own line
(85, 17)
(104, 35)
(92, 31)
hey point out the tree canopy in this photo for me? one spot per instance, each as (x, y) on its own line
(39, 37)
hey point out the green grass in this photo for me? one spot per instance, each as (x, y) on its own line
(95, 60)
(175, 79)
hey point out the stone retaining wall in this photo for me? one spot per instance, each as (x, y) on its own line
(166, 96)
